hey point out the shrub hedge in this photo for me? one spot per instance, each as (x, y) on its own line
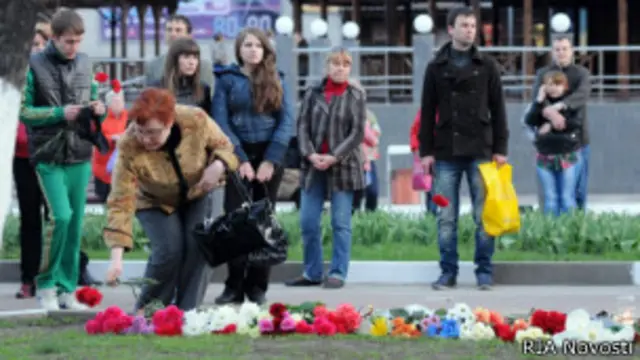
(577, 233)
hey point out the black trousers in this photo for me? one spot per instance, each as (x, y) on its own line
(30, 203)
(242, 276)
(102, 189)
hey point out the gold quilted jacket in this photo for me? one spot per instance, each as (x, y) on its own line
(146, 179)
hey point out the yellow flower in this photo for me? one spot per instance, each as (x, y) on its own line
(380, 327)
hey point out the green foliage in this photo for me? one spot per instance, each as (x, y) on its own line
(577, 233)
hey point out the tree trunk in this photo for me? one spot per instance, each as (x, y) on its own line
(17, 27)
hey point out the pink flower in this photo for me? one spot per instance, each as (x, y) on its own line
(288, 324)
(265, 326)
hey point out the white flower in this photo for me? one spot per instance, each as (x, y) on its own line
(194, 323)
(530, 333)
(252, 331)
(462, 313)
(249, 310)
(297, 317)
(559, 338)
(476, 331)
(221, 317)
(577, 320)
(264, 314)
(595, 332)
(466, 331)
(627, 333)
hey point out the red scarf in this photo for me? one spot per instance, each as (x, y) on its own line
(332, 89)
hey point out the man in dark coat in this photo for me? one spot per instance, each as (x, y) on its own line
(464, 87)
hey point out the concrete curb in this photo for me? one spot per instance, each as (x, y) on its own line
(418, 272)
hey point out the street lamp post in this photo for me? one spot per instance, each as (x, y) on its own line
(350, 32)
(286, 58)
(319, 29)
(423, 48)
(561, 26)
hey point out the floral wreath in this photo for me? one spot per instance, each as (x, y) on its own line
(102, 78)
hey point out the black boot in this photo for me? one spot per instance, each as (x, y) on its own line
(85, 278)
(230, 296)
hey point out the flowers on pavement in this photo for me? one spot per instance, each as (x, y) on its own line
(413, 321)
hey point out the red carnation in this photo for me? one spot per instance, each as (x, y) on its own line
(551, 322)
(168, 321)
(302, 327)
(324, 327)
(320, 311)
(89, 296)
(101, 77)
(229, 329)
(277, 310)
(504, 332)
(440, 200)
(116, 86)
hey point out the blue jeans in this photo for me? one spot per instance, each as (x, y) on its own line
(311, 206)
(448, 178)
(559, 188)
(582, 188)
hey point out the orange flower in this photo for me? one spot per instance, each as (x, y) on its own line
(402, 329)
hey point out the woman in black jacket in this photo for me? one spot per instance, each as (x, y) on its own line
(558, 143)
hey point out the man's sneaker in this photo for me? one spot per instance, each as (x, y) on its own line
(68, 301)
(48, 299)
(485, 281)
(444, 281)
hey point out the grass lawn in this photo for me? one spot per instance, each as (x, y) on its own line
(403, 252)
(64, 339)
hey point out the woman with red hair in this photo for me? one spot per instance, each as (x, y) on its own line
(170, 159)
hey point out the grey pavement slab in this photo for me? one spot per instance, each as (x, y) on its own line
(506, 299)
(416, 272)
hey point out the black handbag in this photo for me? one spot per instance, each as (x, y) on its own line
(246, 230)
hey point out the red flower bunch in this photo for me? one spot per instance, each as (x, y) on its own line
(168, 321)
(303, 328)
(344, 320)
(505, 332)
(551, 322)
(440, 200)
(280, 322)
(116, 86)
(229, 329)
(111, 321)
(101, 77)
(89, 296)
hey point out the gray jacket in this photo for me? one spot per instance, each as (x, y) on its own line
(154, 70)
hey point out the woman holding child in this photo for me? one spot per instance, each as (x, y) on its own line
(558, 143)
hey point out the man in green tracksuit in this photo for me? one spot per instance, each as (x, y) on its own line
(59, 85)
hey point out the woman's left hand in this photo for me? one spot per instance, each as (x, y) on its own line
(211, 176)
(265, 171)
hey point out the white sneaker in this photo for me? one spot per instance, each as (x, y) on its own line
(48, 299)
(69, 302)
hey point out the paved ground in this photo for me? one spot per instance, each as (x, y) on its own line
(506, 299)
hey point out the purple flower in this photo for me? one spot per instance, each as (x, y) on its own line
(265, 326)
(430, 320)
(288, 324)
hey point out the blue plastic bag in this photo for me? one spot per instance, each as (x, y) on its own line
(112, 161)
